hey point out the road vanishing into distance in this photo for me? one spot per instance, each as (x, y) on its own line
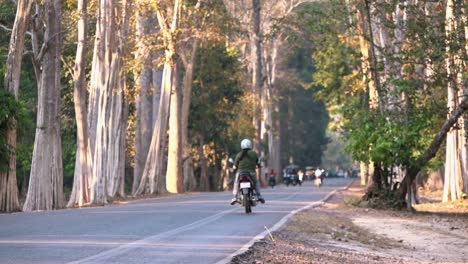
(187, 228)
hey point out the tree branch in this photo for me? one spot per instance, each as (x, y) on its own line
(68, 66)
(6, 28)
(431, 151)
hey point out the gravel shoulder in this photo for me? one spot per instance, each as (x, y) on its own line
(341, 232)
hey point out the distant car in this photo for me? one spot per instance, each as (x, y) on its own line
(340, 173)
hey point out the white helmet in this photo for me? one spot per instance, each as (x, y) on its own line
(246, 144)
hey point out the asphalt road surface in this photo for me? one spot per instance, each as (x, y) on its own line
(192, 228)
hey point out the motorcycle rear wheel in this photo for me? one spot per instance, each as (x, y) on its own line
(246, 203)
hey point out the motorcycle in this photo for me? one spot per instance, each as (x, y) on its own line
(295, 179)
(272, 181)
(287, 179)
(246, 191)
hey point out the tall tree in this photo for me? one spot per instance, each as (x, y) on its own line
(148, 83)
(456, 158)
(46, 181)
(152, 180)
(83, 166)
(8, 187)
(107, 116)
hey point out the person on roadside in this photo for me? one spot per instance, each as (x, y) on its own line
(246, 160)
(300, 173)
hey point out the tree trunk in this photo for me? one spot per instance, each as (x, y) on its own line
(8, 186)
(256, 63)
(431, 151)
(83, 166)
(367, 62)
(174, 177)
(204, 182)
(456, 140)
(463, 93)
(144, 98)
(189, 180)
(152, 180)
(107, 110)
(46, 181)
(372, 60)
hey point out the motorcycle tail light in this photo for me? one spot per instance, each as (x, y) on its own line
(244, 178)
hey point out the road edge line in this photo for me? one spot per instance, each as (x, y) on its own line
(279, 224)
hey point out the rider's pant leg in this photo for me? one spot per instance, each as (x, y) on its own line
(257, 188)
(235, 188)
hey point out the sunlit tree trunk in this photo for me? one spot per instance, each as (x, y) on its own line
(454, 166)
(107, 107)
(174, 177)
(463, 94)
(144, 97)
(45, 190)
(270, 121)
(153, 180)
(83, 166)
(368, 80)
(8, 186)
(189, 64)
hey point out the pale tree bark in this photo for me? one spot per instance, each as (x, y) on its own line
(83, 165)
(188, 54)
(174, 177)
(270, 127)
(363, 27)
(189, 179)
(8, 186)
(456, 141)
(152, 180)
(107, 110)
(431, 151)
(256, 65)
(144, 97)
(464, 93)
(45, 190)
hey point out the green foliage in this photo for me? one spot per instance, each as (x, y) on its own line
(8, 110)
(218, 110)
(389, 138)
(334, 154)
(304, 119)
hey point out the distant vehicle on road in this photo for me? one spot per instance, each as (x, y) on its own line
(290, 175)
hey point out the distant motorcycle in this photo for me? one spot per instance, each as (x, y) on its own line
(287, 179)
(295, 180)
(272, 181)
(248, 199)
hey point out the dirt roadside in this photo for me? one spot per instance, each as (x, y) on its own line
(342, 232)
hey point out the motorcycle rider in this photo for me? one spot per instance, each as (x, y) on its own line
(246, 160)
(318, 175)
(272, 177)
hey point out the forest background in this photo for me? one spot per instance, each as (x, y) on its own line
(105, 99)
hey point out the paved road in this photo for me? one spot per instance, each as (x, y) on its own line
(195, 228)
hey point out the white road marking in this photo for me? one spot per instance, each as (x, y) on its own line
(105, 255)
(283, 220)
